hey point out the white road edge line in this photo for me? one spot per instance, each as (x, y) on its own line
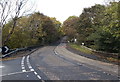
(38, 76)
(55, 52)
(30, 67)
(85, 65)
(22, 64)
(35, 73)
(12, 73)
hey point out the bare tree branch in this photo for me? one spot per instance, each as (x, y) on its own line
(11, 9)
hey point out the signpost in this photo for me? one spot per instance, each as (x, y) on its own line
(83, 44)
(75, 40)
(5, 49)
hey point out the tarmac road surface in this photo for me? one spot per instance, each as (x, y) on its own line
(53, 63)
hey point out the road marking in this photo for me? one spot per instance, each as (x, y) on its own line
(1, 66)
(32, 70)
(23, 67)
(80, 64)
(13, 73)
(35, 73)
(23, 70)
(30, 67)
(38, 76)
(28, 63)
(27, 75)
(55, 52)
(22, 64)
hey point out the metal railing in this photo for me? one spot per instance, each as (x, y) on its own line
(12, 51)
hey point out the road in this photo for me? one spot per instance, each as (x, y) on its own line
(51, 63)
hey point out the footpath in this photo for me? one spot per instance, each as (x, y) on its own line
(112, 68)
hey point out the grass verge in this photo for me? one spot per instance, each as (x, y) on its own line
(81, 48)
(101, 56)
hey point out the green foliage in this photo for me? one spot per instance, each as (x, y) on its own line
(69, 27)
(89, 22)
(81, 48)
(109, 35)
(35, 29)
(98, 27)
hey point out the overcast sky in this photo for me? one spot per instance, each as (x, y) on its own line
(62, 9)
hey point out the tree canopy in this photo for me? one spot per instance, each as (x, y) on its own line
(97, 26)
(35, 29)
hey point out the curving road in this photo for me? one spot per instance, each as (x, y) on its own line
(55, 63)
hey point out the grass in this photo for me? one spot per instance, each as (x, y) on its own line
(113, 59)
(81, 48)
(87, 51)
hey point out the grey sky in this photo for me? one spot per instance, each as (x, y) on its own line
(62, 9)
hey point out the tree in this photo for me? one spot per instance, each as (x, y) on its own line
(112, 27)
(107, 37)
(70, 27)
(58, 27)
(89, 22)
(11, 9)
(34, 29)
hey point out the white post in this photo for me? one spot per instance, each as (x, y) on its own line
(83, 44)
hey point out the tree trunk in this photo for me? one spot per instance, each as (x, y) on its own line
(11, 32)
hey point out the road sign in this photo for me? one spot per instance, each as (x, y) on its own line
(5, 49)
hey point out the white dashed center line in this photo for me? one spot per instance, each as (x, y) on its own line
(29, 66)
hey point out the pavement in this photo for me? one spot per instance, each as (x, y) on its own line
(95, 56)
(56, 63)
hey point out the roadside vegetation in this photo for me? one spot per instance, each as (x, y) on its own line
(98, 27)
(34, 29)
(21, 26)
(80, 48)
(106, 57)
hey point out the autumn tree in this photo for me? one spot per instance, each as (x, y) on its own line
(10, 9)
(70, 27)
(31, 30)
(107, 37)
(89, 21)
(97, 26)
